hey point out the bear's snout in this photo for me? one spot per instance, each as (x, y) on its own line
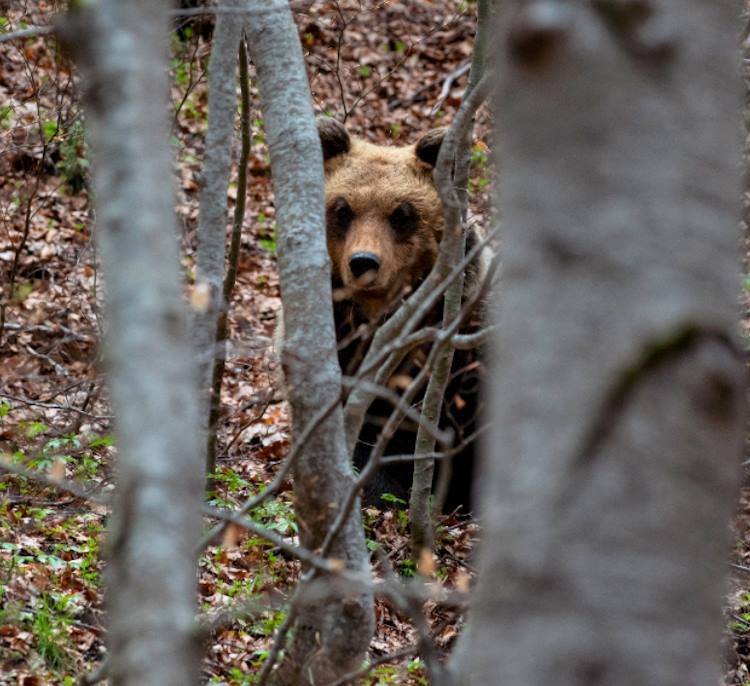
(360, 263)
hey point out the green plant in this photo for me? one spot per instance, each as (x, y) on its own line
(259, 136)
(5, 407)
(88, 564)
(73, 164)
(180, 71)
(393, 499)
(277, 515)
(268, 624)
(383, 675)
(266, 234)
(237, 677)
(408, 567)
(49, 622)
(34, 429)
(242, 587)
(6, 116)
(479, 162)
(230, 478)
(416, 669)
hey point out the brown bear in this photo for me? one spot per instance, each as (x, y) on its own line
(384, 222)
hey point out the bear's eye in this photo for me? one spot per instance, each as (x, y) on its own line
(339, 216)
(404, 220)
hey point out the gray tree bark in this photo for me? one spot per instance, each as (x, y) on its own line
(331, 637)
(618, 397)
(121, 51)
(212, 222)
(420, 507)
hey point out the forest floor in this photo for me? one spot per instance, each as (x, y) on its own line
(393, 70)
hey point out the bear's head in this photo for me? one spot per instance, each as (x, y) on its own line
(384, 218)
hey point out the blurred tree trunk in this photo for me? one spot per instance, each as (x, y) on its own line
(331, 636)
(121, 50)
(618, 396)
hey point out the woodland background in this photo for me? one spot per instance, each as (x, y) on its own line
(393, 70)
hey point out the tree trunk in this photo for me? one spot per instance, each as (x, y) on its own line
(618, 392)
(421, 510)
(212, 223)
(331, 636)
(121, 50)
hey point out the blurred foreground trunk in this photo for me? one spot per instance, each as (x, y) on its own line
(121, 51)
(611, 470)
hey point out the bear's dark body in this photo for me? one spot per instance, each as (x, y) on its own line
(383, 229)
(461, 411)
(396, 479)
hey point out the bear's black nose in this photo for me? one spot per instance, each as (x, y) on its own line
(362, 262)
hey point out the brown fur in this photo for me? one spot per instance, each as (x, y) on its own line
(374, 181)
(381, 202)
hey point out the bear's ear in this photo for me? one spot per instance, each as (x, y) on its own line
(333, 137)
(428, 146)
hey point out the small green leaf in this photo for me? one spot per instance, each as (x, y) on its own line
(50, 129)
(5, 407)
(34, 429)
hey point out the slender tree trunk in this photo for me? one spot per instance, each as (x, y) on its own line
(421, 509)
(233, 260)
(618, 396)
(121, 50)
(331, 636)
(212, 222)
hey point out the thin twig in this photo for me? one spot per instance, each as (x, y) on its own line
(339, 43)
(189, 88)
(233, 260)
(55, 330)
(450, 79)
(398, 401)
(441, 455)
(451, 180)
(255, 418)
(61, 484)
(54, 406)
(60, 369)
(364, 671)
(280, 639)
(30, 32)
(303, 554)
(383, 355)
(35, 31)
(376, 455)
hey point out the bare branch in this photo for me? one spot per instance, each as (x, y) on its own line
(448, 82)
(399, 403)
(61, 484)
(299, 552)
(30, 32)
(55, 406)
